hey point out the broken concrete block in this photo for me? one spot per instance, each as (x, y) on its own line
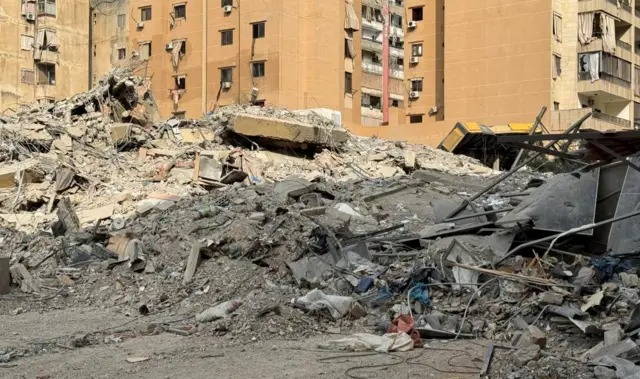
(147, 205)
(120, 132)
(11, 174)
(538, 337)
(288, 130)
(551, 297)
(602, 372)
(629, 280)
(348, 210)
(386, 171)
(92, 215)
(390, 191)
(377, 157)
(313, 211)
(210, 169)
(526, 355)
(613, 336)
(409, 159)
(614, 350)
(424, 175)
(293, 187)
(311, 200)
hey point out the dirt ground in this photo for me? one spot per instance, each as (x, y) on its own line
(173, 356)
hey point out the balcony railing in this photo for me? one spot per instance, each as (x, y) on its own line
(376, 46)
(375, 68)
(623, 45)
(607, 77)
(612, 119)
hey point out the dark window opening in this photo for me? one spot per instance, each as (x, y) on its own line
(122, 21)
(183, 48)
(181, 82)
(258, 30)
(180, 11)
(416, 85)
(122, 53)
(556, 106)
(46, 74)
(145, 14)
(257, 69)
(417, 14)
(226, 37)
(348, 87)
(227, 3)
(395, 103)
(260, 103)
(415, 118)
(226, 75)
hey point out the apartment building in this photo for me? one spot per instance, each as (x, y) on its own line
(109, 35)
(500, 62)
(43, 41)
(293, 54)
(372, 69)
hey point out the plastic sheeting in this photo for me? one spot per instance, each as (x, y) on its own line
(338, 306)
(367, 342)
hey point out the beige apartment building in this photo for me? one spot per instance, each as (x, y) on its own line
(486, 61)
(500, 62)
(52, 49)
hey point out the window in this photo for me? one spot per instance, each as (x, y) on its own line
(257, 69)
(122, 19)
(145, 50)
(348, 87)
(416, 85)
(396, 20)
(557, 27)
(557, 66)
(395, 103)
(227, 3)
(416, 50)
(27, 76)
(258, 30)
(226, 37)
(26, 42)
(416, 14)
(46, 73)
(226, 75)
(556, 106)
(47, 7)
(145, 14)
(181, 82)
(415, 118)
(122, 53)
(183, 46)
(180, 10)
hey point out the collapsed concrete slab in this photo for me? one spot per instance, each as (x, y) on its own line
(288, 130)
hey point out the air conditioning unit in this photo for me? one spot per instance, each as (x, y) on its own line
(135, 54)
(227, 8)
(414, 94)
(140, 25)
(168, 46)
(414, 60)
(30, 17)
(433, 110)
(412, 25)
(254, 94)
(226, 85)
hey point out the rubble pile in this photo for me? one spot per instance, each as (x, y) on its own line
(256, 240)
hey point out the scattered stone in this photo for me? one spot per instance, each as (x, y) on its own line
(551, 297)
(526, 354)
(538, 337)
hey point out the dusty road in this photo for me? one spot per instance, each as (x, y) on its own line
(173, 356)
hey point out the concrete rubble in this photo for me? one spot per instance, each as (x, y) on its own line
(248, 233)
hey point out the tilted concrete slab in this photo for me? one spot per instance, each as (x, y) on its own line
(288, 130)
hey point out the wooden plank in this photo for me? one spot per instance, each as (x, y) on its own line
(192, 264)
(5, 275)
(196, 167)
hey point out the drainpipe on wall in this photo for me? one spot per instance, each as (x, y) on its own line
(204, 57)
(385, 62)
(90, 77)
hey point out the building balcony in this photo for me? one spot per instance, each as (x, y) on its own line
(607, 85)
(371, 112)
(622, 51)
(377, 4)
(377, 26)
(375, 46)
(375, 68)
(561, 120)
(624, 12)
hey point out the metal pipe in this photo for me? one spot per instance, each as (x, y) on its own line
(507, 174)
(491, 212)
(205, 28)
(385, 62)
(531, 132)
(567, 233)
